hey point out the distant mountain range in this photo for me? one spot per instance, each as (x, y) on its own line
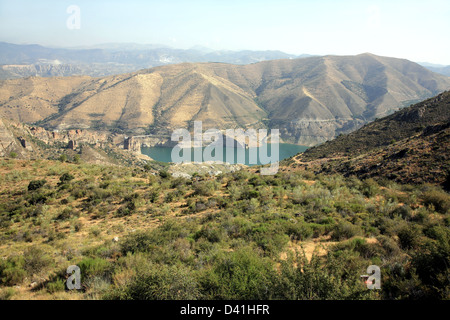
(438, 68)
(310, 100)
(18, 61)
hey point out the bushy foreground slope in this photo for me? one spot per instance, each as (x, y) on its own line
(237, 236)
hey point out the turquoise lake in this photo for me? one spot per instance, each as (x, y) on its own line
(286, 150)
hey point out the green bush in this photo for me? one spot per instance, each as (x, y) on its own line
(36, 260)
(7, 293)
(63, 158)
(299, 231)
(242, 274)
(76, 159)
(301, 279)
(137, 242)
(12, 271)
(437, 198)
(159, 282)
(345, 230)
(403, 212)
(66, 214)
(66, 177)
(205, 188)
(431, 262)
(211, 233)
(370, 188)
(164, 174)
(94, 267)
(56, 286)
(409, 236)
(36, 184)
(389, 245)
(366, 250)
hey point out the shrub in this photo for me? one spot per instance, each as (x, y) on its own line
(164, 174)
(370, 187)
(409, 236)
(76, 159)
(63, 158)
(242, 274)
(345, 230)
(66, 214)
(431, 262)
(128, 209)
(438, 232)
(312, 280)
(299, 231)
(37, 197)
(7, 293)
(12, 271)
(391, 248)
(439, 199)
(36, 184)
(137, 242)
(66, 177)
(403, 212)
(205, 188)
(366, 250)
(95, 231)
(56, 286)
(211, 233)
(159, 282)
(94, 267)
(36, 260)
(78, 225)
(320, 229)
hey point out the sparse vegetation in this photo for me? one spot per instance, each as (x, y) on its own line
(237, 236)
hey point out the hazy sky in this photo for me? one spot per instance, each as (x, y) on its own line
(415, 30)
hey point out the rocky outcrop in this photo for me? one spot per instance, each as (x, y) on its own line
(132, 144)
(20, 138)
(72, 145)
(310, 132)
(7, 140)
(50, 137)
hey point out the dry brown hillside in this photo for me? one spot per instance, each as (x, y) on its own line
(410, 146)
(310, 100)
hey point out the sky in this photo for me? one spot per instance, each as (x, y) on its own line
(414, 30)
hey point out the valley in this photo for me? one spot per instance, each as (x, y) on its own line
(311, 100)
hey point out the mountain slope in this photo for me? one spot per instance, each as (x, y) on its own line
(310, 100)
(412, 145)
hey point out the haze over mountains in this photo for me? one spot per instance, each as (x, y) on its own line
(438, 68)
(310, 100)
(19, 61)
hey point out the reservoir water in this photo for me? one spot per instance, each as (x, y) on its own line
(286, 150)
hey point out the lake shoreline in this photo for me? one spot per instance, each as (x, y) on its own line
(285, 150)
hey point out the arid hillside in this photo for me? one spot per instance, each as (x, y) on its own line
(310, 100)
(410, 146)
